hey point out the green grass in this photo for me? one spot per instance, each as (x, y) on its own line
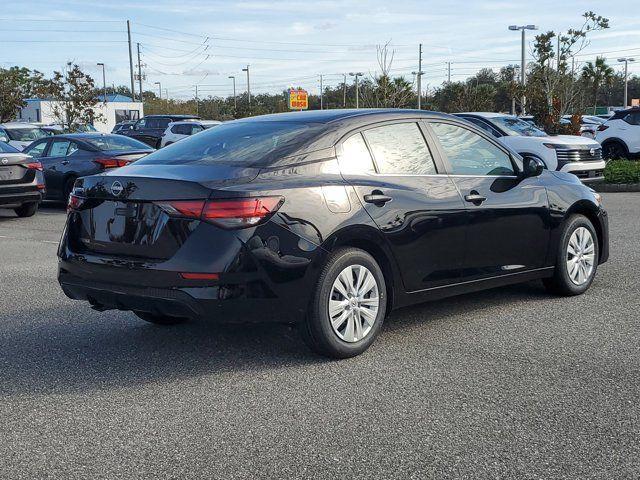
(622, 171)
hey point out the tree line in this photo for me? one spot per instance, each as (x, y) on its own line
(554, 87)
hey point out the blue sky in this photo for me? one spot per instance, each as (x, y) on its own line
(289, 43)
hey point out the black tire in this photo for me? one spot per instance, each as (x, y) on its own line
(613, 150)
(561, 282)
(316, 329)
(68, 187)
(159, 319)
(26, 209)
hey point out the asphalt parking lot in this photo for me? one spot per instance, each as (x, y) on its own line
(508, 383)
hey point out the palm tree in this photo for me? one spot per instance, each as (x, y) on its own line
(597, 73)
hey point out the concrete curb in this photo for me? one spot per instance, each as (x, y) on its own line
(615, 187)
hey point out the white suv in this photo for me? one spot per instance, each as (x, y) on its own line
(581, 156)
(178, 130)
(620, 135)
(20, 135)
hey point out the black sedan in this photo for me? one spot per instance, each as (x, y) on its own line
(328, 219)
(21, 181)
(64, 158)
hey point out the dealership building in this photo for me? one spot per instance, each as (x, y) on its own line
(114, 109)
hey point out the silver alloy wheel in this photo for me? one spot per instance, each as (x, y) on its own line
(353, 303)
(581, 256)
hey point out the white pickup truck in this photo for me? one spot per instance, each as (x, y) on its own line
(566, 153)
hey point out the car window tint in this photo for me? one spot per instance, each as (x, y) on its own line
(632, 118)
(37, 149)
(195, 129)
(73, 148)
(59, 148)
(400, 148)
(469, 153)
(152, 123)
(355, 157)
(175, 129)
(479, 123)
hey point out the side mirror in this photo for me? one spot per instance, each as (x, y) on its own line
(533, 166)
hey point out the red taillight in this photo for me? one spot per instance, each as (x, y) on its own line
(34, 166)
(227, 213)
(199, 276)
(602, 128)
(75, 202)
(111, 162)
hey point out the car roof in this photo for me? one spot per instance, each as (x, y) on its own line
(485, 114)
(340, 115)
(172, 116)
(11, 125)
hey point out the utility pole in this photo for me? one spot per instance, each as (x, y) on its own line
(448, 72)
(321, 93)
(139, 72)
(419, 74)
(344, 92)
(133, 93)
(197, 102)
(356, 75)
(159, 89)
(626, 84)
(235, 99)
(248, 84)
(104, 82)
(523, 66)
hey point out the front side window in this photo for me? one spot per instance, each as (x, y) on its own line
(355, 157)
(36, 150)
(195, 129)
(400, 149)
(470, 154)
(59, 148)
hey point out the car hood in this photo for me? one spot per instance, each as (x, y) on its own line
(573, 140)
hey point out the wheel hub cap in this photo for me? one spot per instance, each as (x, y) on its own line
(580, 256)
(353, 303)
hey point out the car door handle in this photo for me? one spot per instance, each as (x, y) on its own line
(377, 198)
(475, 198)
(65, 162)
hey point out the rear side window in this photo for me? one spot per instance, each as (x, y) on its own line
(632, 118)
(240, 143)
(400, 148)
(37, 149)
(355, 156)
(470, 154)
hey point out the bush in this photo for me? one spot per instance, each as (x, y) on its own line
(622, 171)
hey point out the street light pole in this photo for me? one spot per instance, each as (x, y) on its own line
(104, 82)
(159, 89)
(321, 93)
(235, 99)
(523, 66)
(626, 61)
(248, 84)
(356, 75)
(344, 92)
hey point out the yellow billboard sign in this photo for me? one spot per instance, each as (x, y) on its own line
(298, 99)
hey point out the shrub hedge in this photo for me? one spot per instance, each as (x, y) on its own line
(622, 171)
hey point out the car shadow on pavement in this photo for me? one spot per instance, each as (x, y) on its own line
(74, 349)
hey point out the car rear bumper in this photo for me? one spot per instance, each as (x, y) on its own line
(20, 197)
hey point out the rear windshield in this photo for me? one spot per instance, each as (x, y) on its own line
(27, 134)
(237, 143)
(116, 142)
(6, 148)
